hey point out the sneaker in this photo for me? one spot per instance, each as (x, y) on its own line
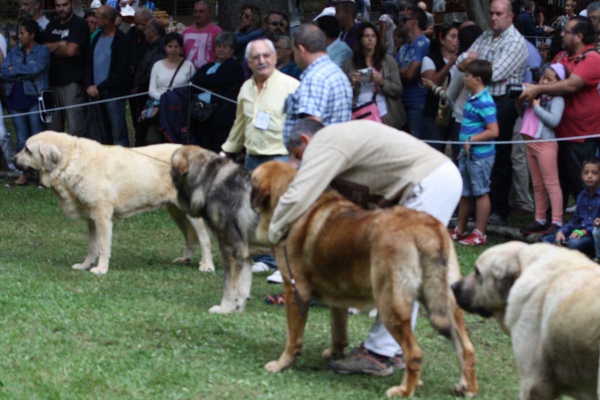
(456, 235)
(259, 267)
(474, 239)
(534, 227)
(21, 180)
(496, 219)
(571, 210)
(275, 277)
(551, 229)
(362, 362)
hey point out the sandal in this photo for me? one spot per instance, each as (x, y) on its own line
(276, 299)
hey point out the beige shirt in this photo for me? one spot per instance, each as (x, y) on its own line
(388, 161)
(251, 103)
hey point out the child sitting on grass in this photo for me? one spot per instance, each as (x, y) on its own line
(577, 233)
(479, 124)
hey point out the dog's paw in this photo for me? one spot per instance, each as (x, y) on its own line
(206, 267)
(220, 310)
(99, 271)
(274, 366)
(460, 390)
(81, 267)
(397, 391)
(182, 260)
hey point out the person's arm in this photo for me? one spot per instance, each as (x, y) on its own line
(63, 49)
(32, 69)
(561, 88)
(455, 87)
(153, 88)
(440, 76)
(552, 117)
(320, 165)
(7, 66)
(391, 85)
(472, 54)
(235, 140)
(411, 72)
(575, 221)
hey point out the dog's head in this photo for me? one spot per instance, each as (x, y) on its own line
(192, 167)
(269, 182)
(485, 291)
(42, 152)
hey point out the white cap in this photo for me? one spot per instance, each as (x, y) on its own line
(95, 4)
(326, 11)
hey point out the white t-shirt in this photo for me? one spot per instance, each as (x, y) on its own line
(3, 45)
(366, 95)
(428, 64)
(161, 76)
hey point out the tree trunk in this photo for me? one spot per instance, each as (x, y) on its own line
(478, 11)
(229, 10)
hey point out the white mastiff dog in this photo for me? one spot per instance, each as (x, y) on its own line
(547, 298)
(100, 183)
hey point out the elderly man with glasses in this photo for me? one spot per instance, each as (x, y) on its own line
(259, 120)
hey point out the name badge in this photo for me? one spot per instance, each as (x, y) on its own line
(262, 120)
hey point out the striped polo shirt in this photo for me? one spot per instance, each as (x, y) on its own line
(479, 111)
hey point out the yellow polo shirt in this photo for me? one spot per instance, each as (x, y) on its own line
(251, 103)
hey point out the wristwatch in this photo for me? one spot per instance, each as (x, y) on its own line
(470, 139)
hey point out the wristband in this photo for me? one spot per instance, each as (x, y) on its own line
(577, 231)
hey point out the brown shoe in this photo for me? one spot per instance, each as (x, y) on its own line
(21, 180)
(361, 361)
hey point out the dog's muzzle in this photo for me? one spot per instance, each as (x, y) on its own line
(464, 299)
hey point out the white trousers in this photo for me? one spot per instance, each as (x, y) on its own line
(438, 195)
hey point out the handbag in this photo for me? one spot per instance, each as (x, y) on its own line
(443, 116)
(200, 110)
(368, 111)
(151, 108)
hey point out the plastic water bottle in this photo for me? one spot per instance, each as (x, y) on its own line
(171, 25)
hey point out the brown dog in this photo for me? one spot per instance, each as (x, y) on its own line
(346, 256)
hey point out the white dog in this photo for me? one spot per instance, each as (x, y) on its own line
(547, 298)
(100, 183)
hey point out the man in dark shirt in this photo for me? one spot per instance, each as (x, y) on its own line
(67, 37)
(107, 74)
(139, 48)
(346, 12)
(530, 30)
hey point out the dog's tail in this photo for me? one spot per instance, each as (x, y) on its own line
(436, 283)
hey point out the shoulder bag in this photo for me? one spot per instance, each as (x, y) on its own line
(368, 111)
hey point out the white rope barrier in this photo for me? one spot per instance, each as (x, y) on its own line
(451, 142)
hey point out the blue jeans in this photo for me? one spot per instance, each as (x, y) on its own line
(27, 125)
(596, 236)
(585, 244)
(414, 115)
(475, 173)
(251, 163)
(114, 113)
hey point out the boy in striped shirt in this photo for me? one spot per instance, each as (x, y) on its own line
(479, 124)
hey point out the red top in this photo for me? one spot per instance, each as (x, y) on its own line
(581, 117)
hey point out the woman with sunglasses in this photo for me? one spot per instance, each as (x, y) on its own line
(249, 28)
(25, 72)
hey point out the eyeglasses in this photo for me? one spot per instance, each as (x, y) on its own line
(280, 23)
(407, 19)
(256, 57)
(244, 15)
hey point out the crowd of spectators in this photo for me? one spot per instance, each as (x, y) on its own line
(414, 73)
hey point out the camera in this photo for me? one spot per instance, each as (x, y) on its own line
(514, 90)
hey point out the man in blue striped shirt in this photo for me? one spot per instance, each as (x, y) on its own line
(479, 124)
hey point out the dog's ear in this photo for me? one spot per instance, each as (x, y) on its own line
(259, 195)
(50, 155)
(180, 162)
(507, 268)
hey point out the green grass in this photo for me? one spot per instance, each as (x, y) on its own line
(143, 330)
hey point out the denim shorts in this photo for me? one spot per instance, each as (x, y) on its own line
(475, 173)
